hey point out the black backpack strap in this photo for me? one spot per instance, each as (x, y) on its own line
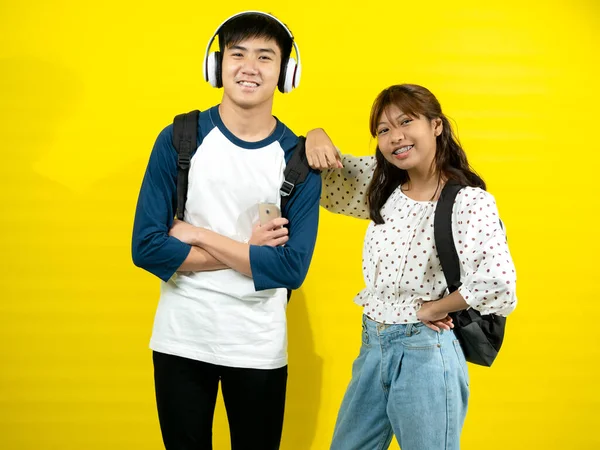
(185, 141)
(480, 336)
(295, 172)
(442, 230)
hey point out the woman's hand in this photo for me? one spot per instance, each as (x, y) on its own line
(433, 317)
(321, 154)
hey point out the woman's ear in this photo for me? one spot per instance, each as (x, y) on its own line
(438, 126)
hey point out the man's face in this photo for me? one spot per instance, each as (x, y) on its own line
(250, 71)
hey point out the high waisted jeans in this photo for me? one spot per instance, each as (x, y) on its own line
(408, 381)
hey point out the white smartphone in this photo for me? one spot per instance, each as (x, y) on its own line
(268, 212)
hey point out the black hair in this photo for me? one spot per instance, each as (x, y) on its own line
(255, 25)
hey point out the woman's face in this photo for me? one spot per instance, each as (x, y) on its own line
(408, 143)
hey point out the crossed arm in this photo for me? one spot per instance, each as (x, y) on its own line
(212, 251)
(163, 246)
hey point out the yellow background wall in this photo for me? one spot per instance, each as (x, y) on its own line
(84, 91)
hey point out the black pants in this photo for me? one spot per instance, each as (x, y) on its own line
(186, 394)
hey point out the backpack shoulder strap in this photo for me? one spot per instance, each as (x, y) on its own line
(442, 229)
(185, 141)
(295, 172)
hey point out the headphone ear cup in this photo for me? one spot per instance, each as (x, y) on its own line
(287, 80)
(219, 66)
(213, 69)
(297, 74)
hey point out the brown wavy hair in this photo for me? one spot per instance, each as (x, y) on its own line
(450, 159)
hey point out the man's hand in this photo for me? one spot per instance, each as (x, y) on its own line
(321, 154)
(433, 317)
(273, 233)
(184, 232)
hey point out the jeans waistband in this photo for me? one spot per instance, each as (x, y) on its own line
(378, 328)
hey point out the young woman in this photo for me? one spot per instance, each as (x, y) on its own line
(410, 378)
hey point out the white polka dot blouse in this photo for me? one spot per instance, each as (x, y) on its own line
(400, 265)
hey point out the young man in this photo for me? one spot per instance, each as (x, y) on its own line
(222, 309)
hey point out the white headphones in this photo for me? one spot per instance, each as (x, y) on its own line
(289, 77)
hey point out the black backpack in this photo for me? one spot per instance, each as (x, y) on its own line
(185, 133)
(480, 336)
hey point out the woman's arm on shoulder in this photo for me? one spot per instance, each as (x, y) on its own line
(345, 178)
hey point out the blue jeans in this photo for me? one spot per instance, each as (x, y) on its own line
(407, 381)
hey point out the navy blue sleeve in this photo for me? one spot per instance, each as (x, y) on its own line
(286, 266)
(152, 248)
